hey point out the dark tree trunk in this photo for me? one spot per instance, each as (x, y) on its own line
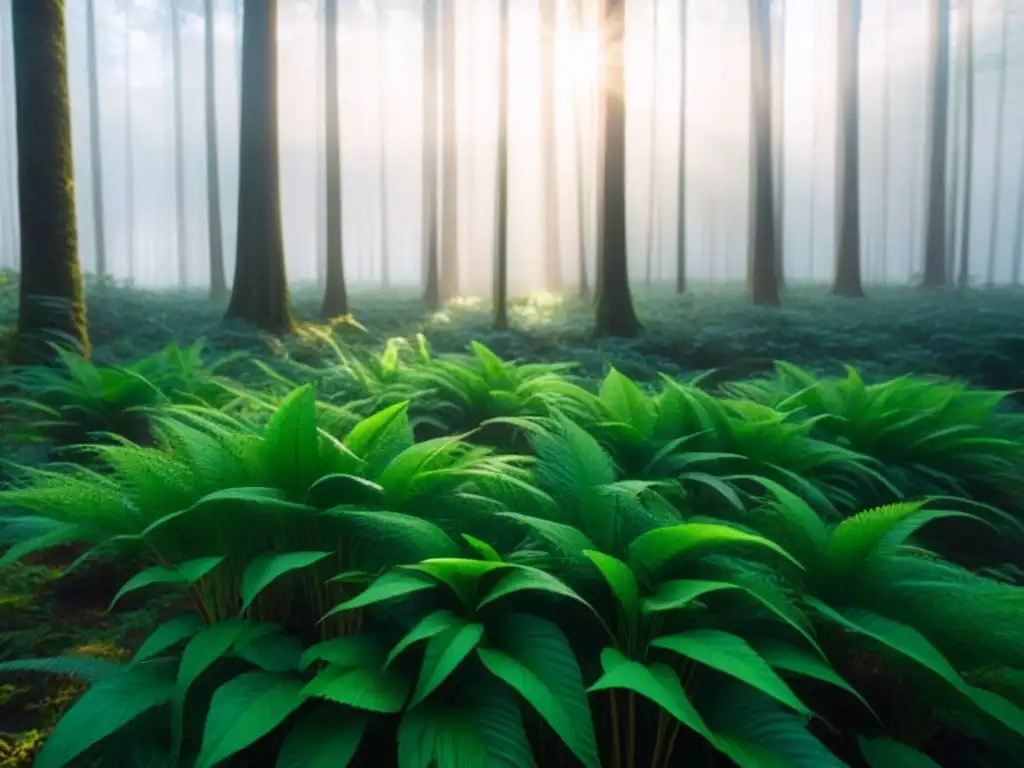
(780, 154)
(431, 276)
(335, 293)
(501, 219)
(936, 246)
(218, 284)
(181, 234)
(681, 206)
(449, 182)
(51, 301)
(615, 313)
(260, 294)
(764, 276)
(997, 176)
(967, 46)
(382, 117)
(95, 143)
(549, 136)
(129, 145)
(848, 260)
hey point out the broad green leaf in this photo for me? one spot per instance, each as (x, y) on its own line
(430, 625)
(564, 538)
(205, 648)
(167, 635)
(627, 403)
(482, 548)
(440, 736)
(525, 579)
(445, 651)
(718, 485)
(375, 690)
(244, 710)
(327, 737)
(262, 571)
(677, 594)
(656, 682)
(65, 534)
(391, 585)
(291, 447)
(853, 540)
(781, 655)
(882, 752)
(381, 437)
(109, 705)
(461, 574)
(238, 502)
(657, 548)
(87, 668)
(337, 489)
(622, 583)
(184, 574)
(345, 652)
(733, 656)
(275, 651)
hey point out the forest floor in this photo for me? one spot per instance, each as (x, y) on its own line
(977, 336)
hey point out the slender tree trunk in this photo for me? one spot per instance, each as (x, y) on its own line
(764, 276)
(95, 143)
(550, 198)
(431, 276)
(997, 174)
(335, 292)
(848, 262)
(681, 205)
(1017, 265)
(382, 118)
(501, 219)
(320, 220)
(260, 295)
(967, 38)
(615, 313)
(936, 246)
(583, 287)
(953, 197)
(780, 151)
(886, 107)
(9, 246)
(652, 153)
(129, 145)
(218, 284)
(51, 301)
(450, 282)
(181, 234)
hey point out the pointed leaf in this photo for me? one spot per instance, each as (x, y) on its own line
(526, 578)
(784, 656)
(291, 446)
(391, 585)
(345, 652)
(327, 737)
(184, 574)
(430, 625)
(656, 548)
(168, 634)
(482, 548)
(375, 690)
(445, 651)
(882, 752)
(262, 571)
(623, 585)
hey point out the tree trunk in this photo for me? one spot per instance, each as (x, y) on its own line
(997, 175)
(583, 287)
(549, 132)
(886, 107)
(129, 146)
(431, 276)
(501, 219)
(615, 313)
(681, 205)
(181, 233)
(95, 142)
(848, 261)
(780, 151)
(1017, 265)
(382, 119)
(260, 294)
(936, 247)
(335, 292)
(51, 301)
(320, 220)
(218, 284)
(652, 154)
(966, 31)
(449, 182)
(764, 276)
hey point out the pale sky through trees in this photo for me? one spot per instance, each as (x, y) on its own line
(718, 124)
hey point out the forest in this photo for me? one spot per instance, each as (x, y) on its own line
(517, 384)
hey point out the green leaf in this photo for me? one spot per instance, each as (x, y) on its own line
(262, 571)
(445, 651)
(381, 437)
(244, 710)
(718, 485)
(167, 635)
(65, 534)
(337, 489)
(482, 548)
(104, 709)
(623, 584)
(656, 548)
(85, 668)
(627, 403)
(375, 690)
(731, 655)
(527, 578)
(564, 538)
(205, 648)
(534, 658)
(656, 682)
(461, 574)
(882, 752)
(345, 652)
(677, 594)
(327, 737)
(391, 585)
(291, 446)
(184, 574)
(275, 651)
(788, 658)
(430, 625)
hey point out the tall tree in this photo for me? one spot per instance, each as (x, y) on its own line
(449, 179)
(583, 287)
(218, 283)
(320, 219)
(501, 219)
(936, 246)
(615, 313)
(181, 232)
(681, 205)
(997, 176)
(260, 295)
(95, 142)
(1017, 265)
(51, 300)
(779, 93)
(431, 270)
(966, 32)
(848, 260)
(652, 151)
(549, 136)
(9, 246)
(886, 108)
(335, 292)
(763, 273)
(129, 144)
(382, 117)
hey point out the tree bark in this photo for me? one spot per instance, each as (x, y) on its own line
(583, 287)
(335, 292)
(382, 118)
(550, 198)
(501, 219)
(780, 152)
(129, 146)
(260, 295)
(615, 313)
(652, 154)
(431, 276)
(181, 233)
(997, 175)
(936, 246)
(681, 205)
(95, 143)
(848, 261)
(966, 31)
(449, 182)
(51, 300)
(218, 283)
(886, 108)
